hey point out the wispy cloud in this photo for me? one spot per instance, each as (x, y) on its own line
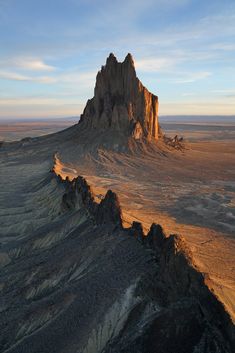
(32, 64)
(197, 107)
(40, 107)
(14, 76)
(37, 101)
(224, 91)
(179, 46)
(223, 46)
(72, 76)
(192, 77)
(155, 64)
(77, 77)
(26, 64)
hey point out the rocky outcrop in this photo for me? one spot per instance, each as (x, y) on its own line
(109, 210)
(79, 194)
(186, 315)
(83, 283)
(121, 103)
(196, 312)
(174, 298)
(84, 194)
(175, 142)
(137, 231)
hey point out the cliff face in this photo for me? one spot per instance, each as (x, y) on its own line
(121, 102)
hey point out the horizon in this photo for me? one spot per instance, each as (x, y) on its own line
(180, 118)
(183, 51)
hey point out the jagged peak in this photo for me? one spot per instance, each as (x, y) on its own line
(111, 59)
(79, 194)
(155, 236)
(137, 231)
(129, 59)
(121, 103)
(109, 210)
(112, 63)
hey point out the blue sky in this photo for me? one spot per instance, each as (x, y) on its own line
(51, 50)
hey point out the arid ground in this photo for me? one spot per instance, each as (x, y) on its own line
(189, 192)
(54, 260)
(17, 129)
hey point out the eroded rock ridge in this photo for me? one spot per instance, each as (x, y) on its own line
(81, 282)
(188, 311)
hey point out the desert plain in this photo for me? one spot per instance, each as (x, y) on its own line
(190, 191)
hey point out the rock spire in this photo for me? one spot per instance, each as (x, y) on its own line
(121, 102)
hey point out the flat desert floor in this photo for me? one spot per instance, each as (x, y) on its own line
(13, 129)
(189, 192)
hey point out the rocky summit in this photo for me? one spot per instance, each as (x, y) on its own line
(121, 102)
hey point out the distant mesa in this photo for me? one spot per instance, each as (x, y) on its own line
(121, 103)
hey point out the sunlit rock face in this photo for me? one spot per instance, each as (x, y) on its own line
(121, 102)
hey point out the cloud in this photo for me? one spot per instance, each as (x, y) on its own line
(192, 77)
(155, 64)
(223, 46)
(14, 76)
(26, 64)
(33, 64)
(224, 91)
(197, 107)
(40, 107)
(73, 76)
(183, 49)
(85, 79)
(37, 101)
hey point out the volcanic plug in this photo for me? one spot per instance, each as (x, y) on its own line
(121, 103)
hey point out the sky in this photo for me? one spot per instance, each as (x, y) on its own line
(51, 51)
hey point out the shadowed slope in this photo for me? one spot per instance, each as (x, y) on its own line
(86, 284)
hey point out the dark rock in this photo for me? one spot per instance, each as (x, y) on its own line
(109, 210)
(155, 237)
(68, 201)
(84, 194)
(121, 102)
(175, 142)
(188, 312)
(136, 230)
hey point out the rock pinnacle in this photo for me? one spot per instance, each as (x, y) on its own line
(121, 102)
